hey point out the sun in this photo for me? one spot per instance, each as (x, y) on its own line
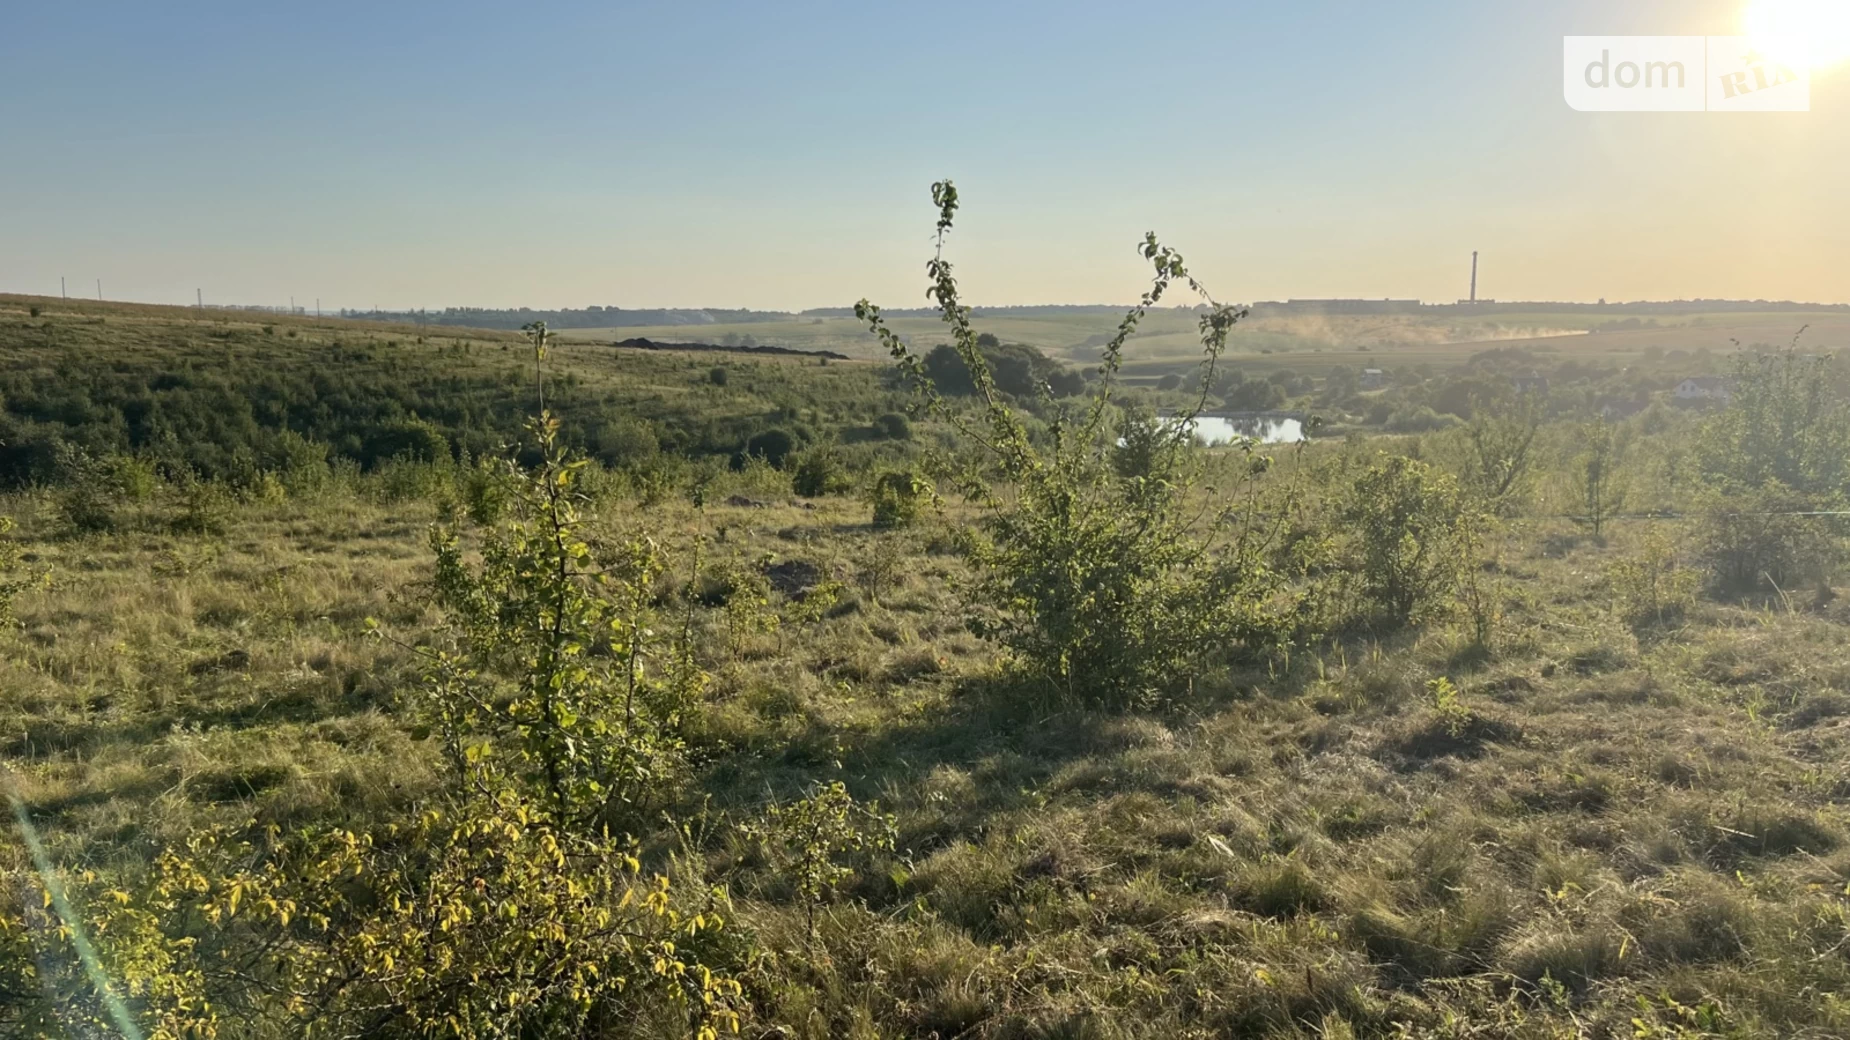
(1800, 32)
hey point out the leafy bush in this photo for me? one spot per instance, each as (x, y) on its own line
(1406, 528)
(10, 584)
(717, 376)
(893, 427)
(1787, 422)
(1142, 446)
(773, 446)
(1653, 585)
(900, 497)
(487, 488)
(1011, 368)
(805, 839)
(1500, 440)
(545, 683)
(817, 472)
(1601, 493)
(1100, 584)
(91, 491)
(1419, 420)
(1764, 539)
(479, 921)
(205, 508)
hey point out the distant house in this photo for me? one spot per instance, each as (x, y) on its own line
(1620, 408)
(1373, 379)
(1703, 388)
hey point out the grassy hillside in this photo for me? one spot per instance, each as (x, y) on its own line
(219, 393)
(1594, 785)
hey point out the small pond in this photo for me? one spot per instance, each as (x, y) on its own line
(1266, 429)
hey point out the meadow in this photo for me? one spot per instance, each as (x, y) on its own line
(342, 701)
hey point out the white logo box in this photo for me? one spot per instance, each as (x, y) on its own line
(1682, 74)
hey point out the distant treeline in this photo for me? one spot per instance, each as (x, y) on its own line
(588, 318)
(639, 343)
(619, 317)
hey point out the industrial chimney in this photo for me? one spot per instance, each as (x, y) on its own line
(1473, 276)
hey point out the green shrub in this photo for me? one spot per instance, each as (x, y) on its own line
(1601, 492)
(301, 463)
(1652, 585)
(1419, 420)
(899, 497)
(1787, 423)
(487, 488)
(817, 473)
(11, 585)
(717, 376)
(773, 446)
(1499, 441)
(1143, 444)
(1764, 540)
(480, 919)
(1102, 586)
(1405, 526)
(893, 427)
(805, 840)
(584, 732)
(89, 494)
(205, 509)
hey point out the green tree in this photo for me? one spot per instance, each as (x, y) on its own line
(1407, 529)
(1787, 421)
(1601, 493)
(1500, 441)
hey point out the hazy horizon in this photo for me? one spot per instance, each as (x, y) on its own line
(647, 157)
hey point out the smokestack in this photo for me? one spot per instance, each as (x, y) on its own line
(1473, 276)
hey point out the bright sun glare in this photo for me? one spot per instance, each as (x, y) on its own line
(1814, 32)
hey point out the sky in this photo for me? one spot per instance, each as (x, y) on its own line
(779, 156)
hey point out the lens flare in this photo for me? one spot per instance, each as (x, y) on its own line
(1800, 33)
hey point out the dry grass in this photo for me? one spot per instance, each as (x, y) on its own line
(1306, 852)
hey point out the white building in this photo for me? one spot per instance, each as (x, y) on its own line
(1703, 388)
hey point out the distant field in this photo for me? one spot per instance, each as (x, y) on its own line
(1310, 343)
(1058, 335)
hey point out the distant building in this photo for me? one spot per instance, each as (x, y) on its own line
(1615, 410)
(1373, 379)
(1703, 388)
(1354, 306)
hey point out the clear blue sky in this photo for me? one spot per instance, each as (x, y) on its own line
(778, 155)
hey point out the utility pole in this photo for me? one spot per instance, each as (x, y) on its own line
(1473, 276)
(99, 290)
(317, 306)
(61, 289)
(200, 295)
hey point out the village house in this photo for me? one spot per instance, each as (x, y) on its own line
(1702, 388)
